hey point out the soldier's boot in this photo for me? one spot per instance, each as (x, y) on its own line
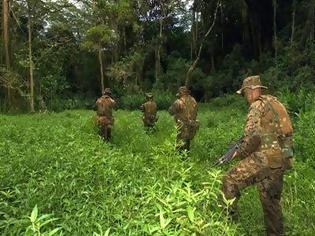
(102, 132)
(109, 134)
(187, 145)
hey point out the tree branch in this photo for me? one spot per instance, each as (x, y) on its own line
(194, 64)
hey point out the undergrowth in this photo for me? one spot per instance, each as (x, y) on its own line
(57, 177)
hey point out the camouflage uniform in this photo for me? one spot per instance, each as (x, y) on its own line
(184, 110)
(266, 152)
(105, 120)
(149, 109)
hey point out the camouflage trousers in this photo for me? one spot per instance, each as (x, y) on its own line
(186, 132)
(105, 127)
(182, 144)
(149, 122)
(254, 171)
(106, 133)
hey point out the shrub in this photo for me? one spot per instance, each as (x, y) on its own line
(134, 101)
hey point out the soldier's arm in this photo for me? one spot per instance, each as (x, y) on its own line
(142, 107)
(96, 104)
(252, 140)
(171, 109)
(175, 108)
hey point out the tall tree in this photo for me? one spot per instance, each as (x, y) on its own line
(195, 62)
(98, 39)
(5, 26)
(6, 41)
(30, 55)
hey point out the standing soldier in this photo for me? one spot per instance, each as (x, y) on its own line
(266, 152)
(105, 120)
(149, 109)
(184, 110)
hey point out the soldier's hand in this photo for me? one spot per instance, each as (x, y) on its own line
(235, 154)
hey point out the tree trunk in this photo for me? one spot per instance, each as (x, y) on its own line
(101, 69)
(293, 22)
(5, 17)
(30, 58)
(158, 53)
(274, 2)
(196, 30)
(6, 38)
(193, 33)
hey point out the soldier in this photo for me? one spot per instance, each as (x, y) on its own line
(105, 120)
(266, 152)
(184, 110)
(149, 109)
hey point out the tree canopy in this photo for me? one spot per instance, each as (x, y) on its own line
(57, 49)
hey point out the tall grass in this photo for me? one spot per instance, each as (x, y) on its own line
(58, 177)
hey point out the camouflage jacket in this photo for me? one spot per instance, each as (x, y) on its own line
(149, 109)
(184, 109)
(105, 105)
(268, 130)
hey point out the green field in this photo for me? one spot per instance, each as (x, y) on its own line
(57, 176)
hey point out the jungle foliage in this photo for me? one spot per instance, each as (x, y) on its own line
(56, 52)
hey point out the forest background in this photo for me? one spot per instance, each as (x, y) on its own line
(60, 55)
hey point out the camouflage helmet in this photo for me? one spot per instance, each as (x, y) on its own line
(107, 91)
(251, 82)
(149, 95)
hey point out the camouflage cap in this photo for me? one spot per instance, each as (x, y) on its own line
(183, 90)
(149, 95)
(107, 91)
(251, 82)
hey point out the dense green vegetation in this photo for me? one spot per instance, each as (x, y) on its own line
(54, 168)
(57, 176)
(59, 55)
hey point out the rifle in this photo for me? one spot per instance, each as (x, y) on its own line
(229, 154)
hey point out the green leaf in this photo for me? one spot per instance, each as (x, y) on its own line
(34, 214)
(54, 231)
(107, 232)
(191, 213)
(164, 222)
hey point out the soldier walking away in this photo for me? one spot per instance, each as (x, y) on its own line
(105, 120)
(184, 110)
(266, 152)
(149, 109)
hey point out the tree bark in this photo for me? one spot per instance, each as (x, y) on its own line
(30, 58)
(101, 69)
